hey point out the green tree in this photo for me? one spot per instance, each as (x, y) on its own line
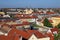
(58, 26)
(58, 36)
(55, 36)
(47, 23)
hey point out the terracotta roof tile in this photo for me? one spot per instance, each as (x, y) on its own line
(37, 33)
(3, 37)
(54, 29)
(37, 12)
(11, 37)
(19, 32)
(5, 25)
(51, 21)
(27, 34)
(26, 17)
(50, 35)
(50, 13)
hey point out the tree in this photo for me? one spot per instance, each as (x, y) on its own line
(55, 36)
(47, 23)
(58, 36)
(58, 26)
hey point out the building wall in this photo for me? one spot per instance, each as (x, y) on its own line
(39, 23)
(2, 13)
(29, 20)
(47, 38)
(26, 26)
(28, 11)
(56, 21)
(11, 22)
(5, 28)
(20, 38)
(33, 37)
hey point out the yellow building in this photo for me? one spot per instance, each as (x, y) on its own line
(2, 13)
(28, 11)
(56, 21)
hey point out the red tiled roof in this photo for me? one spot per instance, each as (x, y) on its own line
(51, 21)
(25, 22)
(22, 33)
(54, 29)
(50, 13)
(36, 33)
(25, 16)
(50, 35)
(28, 17)
(3, 37)
(17, 37)
(9, 37)
(27, 34)
(5, 25)
(37, 12)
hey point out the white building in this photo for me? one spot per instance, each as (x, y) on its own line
(33, 37)
(6, 16)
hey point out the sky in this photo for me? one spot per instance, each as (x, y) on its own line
(29, 3)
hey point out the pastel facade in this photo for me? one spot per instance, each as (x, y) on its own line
(6, 16)
(47, 38)
(28, 11)
(2, 13)
(56, 21)
(33, 37)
